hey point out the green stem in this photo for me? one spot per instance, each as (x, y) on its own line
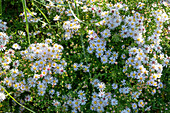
(0, 8)
(76, 8)
(27, 26)
(85, 56)
(15, 100)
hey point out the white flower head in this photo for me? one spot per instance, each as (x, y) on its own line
(28, 98)
(141, 103)
(16, 46)
(101, 94)
(101, 86)
(114, 102)
(2, 97)
(114, 86)
(56, 18)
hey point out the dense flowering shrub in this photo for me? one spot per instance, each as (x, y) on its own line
(85, 56)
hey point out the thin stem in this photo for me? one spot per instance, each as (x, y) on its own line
(84, 53)
(85, 56)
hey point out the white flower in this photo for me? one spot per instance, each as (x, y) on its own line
(85, 68)
(16, 63)
(118, 5)
(114, 102)
(101, 94)
(114, 86)
(68, 86)
(49, 34)
(95, 82)
(106, 33)
(83, 100)
(153, 91)
(41, 92)
(92, 108)
(128, 110)
(104, 59)
(123, 56)
(2, 96)
(123, 82)
(85, 8)
(160, 85)
(56, 18)
(52, 91)
(112, 60)
(124, 111)
(134, 105)
(48, 41)
(56, 103)
(141, 103)
(28, 98)
(75, 66)
(89, 49)
(44, 24)
(101, 86)
(16, 46)
(123, 46)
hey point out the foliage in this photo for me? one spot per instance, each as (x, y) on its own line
(84, 56)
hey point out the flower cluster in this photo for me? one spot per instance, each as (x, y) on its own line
(101, 99)
(30, 17)
(70, 28)
(111, 18)
(99, 44)
(4, 39)
(45, 57)
(85, 68)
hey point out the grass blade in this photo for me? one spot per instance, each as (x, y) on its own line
(74, 14)
(0, 8)
(27, 27)
(76, 8)
(15, 100)
(51, 6)
(77, 18)
(42, 13)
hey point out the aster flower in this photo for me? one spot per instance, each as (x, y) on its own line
(52, 91)
(101, 94)
(101, 86)
(134, 105)
(68, 86)
(114, 102)
(2, 96)
(41, 92)
(56, 18)
(56, 103)
(114, 86)
(16, 46)
(141, 103)
(28, 98)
